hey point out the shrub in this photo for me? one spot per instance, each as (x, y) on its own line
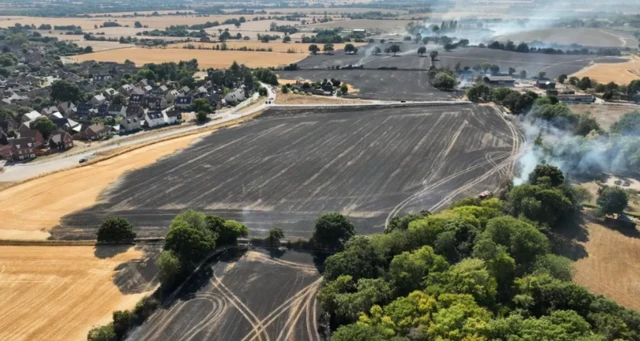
(116, 230)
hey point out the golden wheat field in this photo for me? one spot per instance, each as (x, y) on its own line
(275, 46)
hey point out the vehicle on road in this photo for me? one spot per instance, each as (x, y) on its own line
(83, 160)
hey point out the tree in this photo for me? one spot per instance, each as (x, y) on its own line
(201, 104)
(562, 78)
(495, 69)
(344, 89)
(628, 124)
(263, 91)
(350, 49)
(313, 48)
(62, 91)
(408, 269)
(557, 266)
(612, 199)
(169, 266)
(470, 276)
(202, 116)
(116, 230)
(444, 81)
(122, 322)
(88, 49)
(230, 232)
(511, 71)
(523, 74)
(585, 83)
(286, 39)
(377, 51)
(448, 47)
(394, 49)
(434, 57)
(189, 239)
(45, 126)
(275, 235)
(327, 48)
(332, 231)
(359, 260)
(104, 333)
(541, 75)
(422, 50)
(137, 24)
(552, 173)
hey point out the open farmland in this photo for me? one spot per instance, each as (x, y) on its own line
(288, 166)
(605, 113)
(611, 264)
(594, 37)
(206, 58)
(58, 293)
(257, 296)
(374, 25)
(620, 73)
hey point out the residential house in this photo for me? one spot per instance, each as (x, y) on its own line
(126, 89)
(30, 116)
(117, 110)
(110, 93)
(154, 119)
(506, 81)
(136, 110)
(130, 124)
(185, 89)
(235, 96)
(102, 78)
(138, 91)
(172, 95)
(160, 90)
(93, 132)
(173, 116)
(183, 102)
(60, 140)
(136, 99)
(33, 134)
(103, 109)
(23, 148)
(9, 123)
(201, 92)
(67, 108)
(147, 89)
(49, 111)
(157, 103)
(68, 125)
(6, 152)
(142, 83)
(98, 99)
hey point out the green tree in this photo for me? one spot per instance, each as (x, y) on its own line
(87, 49)
(201, 104)
(169, 266)
(394, 49)
(350, 49)
(332, 231)
(45, 126)
(523, 74)
(314, 49)
(612, 199)
(275, 235)
(202, 116)
(470, 276)
(358, 332)
(230, 232)
(542, 75)
(62, 91)
(286, 39)
(262, 91)
(587, 124)
(344, 89)
(358, 260)
(103, 333)
(122, 322)
(116, 230)
(444, 81)
(628, 124)
(137, 24)
(408, 269)
(377, 51)
(557, 266)
(188, 242)
(422, 50)
(562, 78)
(327, 48)
(585, 83)
(552, 173)
(434, 57)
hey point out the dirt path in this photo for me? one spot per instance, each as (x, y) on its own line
(612, 267)
(31, 209)
(58, 293)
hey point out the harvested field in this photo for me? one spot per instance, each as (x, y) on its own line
(594, 37)
(379, 84)
(612, 264)
(328, 10)
(620, 73)
(302, 99)
(276, 46)
(375, 25)
(206, 59)
(605, 113)
(58, 293)
(256, 296)
(288, 166)
(28, 212)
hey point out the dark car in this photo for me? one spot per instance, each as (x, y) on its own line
(83, 160)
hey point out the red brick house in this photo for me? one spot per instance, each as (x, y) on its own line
(60, 140)
(6, 152)
(23, 148)
(93, 132)
(33, 134)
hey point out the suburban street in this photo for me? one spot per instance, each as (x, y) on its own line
(23, 171)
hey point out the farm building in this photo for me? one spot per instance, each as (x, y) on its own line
(573, 98)
(500, 81)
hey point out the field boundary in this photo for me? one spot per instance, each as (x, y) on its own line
(294, 109)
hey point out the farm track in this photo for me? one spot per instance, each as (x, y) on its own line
(241, 301)
(290, 165)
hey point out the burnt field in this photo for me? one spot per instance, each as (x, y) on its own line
(243, 296)
(289, 166)
(553, 65)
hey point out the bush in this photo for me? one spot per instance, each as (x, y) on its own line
(116, 230)
(263, 91)
(202, 116)
(444, 81)
(612, 200)
(169, 266)
(104, 333)
(231, 231)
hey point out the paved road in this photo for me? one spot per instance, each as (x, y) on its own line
(24, 171)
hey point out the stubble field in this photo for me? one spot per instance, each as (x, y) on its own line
(275, 46)
(620, 73)
(58, 293)
(566, 36)
(206, 59)
(251, 296)
(291, 165)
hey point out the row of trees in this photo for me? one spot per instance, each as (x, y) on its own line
(480, 270)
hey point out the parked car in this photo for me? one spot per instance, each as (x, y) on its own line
(83, 160)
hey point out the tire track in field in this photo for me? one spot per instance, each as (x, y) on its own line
(295, 312)
(253, 320)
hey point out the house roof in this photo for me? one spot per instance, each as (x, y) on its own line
(184, 100)
(136, 98)
(500, 79)
(22, 142)
(57, 137)
(97, 127)
(134, 110)
(99, 97)
(154, 115)
(172, 113)
(31, 116)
